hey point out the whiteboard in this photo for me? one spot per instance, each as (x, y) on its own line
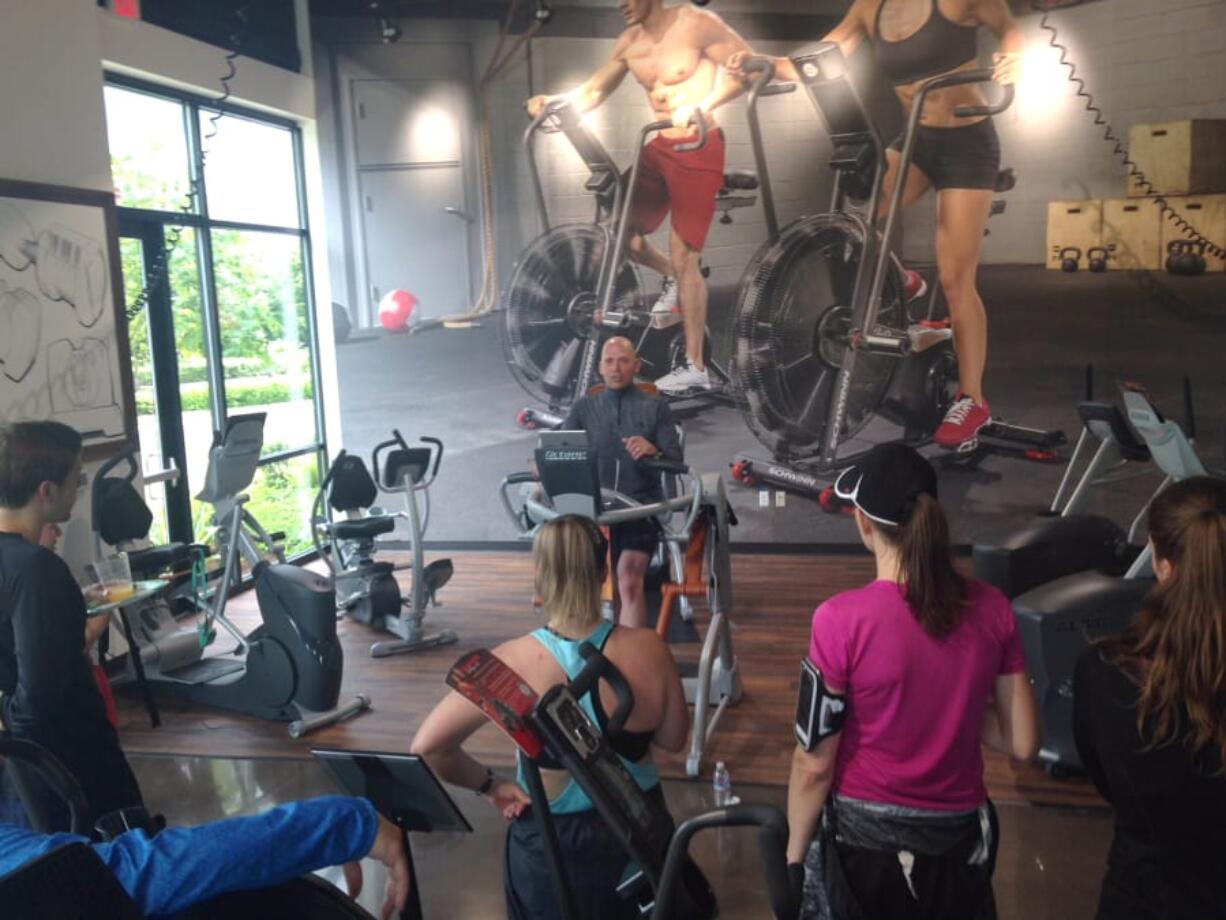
(63, 346)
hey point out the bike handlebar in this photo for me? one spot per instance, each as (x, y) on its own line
(699, 121)
(966, 78)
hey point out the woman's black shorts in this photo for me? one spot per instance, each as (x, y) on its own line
(967, 156)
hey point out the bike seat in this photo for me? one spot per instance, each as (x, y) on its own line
(1005, 180)
(741, 179)
(148, 562)
(363, 529)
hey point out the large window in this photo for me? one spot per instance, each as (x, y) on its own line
(215, 256)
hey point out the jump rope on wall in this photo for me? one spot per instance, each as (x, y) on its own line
(1119, 148)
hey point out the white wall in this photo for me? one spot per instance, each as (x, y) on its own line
(51, 108)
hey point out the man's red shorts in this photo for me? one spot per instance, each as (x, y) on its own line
(685, 182)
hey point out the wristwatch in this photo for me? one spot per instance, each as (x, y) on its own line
(485, 787)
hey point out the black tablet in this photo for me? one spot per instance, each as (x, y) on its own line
(402, 787)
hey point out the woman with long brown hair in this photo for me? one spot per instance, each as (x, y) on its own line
(1150, 720)
(914, 672)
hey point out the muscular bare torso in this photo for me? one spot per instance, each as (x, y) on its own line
(901, 19)
(674, 68)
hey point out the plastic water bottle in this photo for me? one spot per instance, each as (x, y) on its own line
(721, 784)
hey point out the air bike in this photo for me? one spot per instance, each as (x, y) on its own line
(574, 287)
(825, 342)
(661, 880)
(567, 482)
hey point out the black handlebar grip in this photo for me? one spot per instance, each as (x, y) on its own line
(698, 120)
(665, 466)
(599, 668)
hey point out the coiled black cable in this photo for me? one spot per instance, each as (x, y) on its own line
(1118, 146)
(160, 268)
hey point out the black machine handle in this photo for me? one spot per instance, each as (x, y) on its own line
(699, 121)
(397, 440)
(966, 78)
(599, 668)
(761, 70)
(772, 842)
(55, 775)
(778, 89)
(516, 479)
(673, 467)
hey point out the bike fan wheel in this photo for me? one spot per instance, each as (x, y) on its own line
(550, 303)
(792, 320)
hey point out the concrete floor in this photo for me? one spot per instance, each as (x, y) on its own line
(1045, 328)
(1049, 865)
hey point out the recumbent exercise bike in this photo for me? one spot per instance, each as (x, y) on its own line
(367, 589)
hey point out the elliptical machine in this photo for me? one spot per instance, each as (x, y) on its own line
(1060, 617)
(367, 589)
(825, 342)
(289, 669)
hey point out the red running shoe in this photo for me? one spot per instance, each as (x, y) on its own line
(914, 286)
(963, 422)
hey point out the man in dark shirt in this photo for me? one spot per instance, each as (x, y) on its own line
(47, 689)
(624, 426)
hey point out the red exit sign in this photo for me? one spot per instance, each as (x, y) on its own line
(129, 9)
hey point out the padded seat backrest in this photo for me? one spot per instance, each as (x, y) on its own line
(121, 514)
(234, 457)
(352, 488)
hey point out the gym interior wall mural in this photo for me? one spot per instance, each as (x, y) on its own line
(818, 340)
(61, 347)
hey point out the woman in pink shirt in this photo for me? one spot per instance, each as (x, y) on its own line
(914, 672)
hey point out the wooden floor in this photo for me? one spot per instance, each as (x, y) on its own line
(488, 601)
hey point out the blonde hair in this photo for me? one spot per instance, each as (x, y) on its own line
(568, 578)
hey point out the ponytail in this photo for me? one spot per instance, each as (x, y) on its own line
(935, 591)
(1175, 649)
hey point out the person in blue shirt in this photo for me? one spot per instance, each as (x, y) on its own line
(569, 555)
(185, 866)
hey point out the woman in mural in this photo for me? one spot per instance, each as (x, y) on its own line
(912, 42)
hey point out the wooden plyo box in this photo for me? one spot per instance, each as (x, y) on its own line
(1207, 214)
(1132, 234)
(1179, 157)
(1076, 224)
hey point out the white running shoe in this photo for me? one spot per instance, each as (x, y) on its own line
(666, 311)
(683, 380)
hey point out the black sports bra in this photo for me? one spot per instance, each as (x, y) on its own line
(938, 47)
(633, 746)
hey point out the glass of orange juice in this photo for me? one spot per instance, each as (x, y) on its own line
(113, 578)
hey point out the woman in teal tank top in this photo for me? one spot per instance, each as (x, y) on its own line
(570, 566)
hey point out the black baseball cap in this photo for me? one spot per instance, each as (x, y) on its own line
(885, 483)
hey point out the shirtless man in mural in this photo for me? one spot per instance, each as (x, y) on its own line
(677, 55)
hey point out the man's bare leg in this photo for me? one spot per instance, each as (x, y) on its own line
(687, 263)
(631, 573)
(644, 252)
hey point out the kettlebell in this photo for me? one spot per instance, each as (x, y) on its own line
(1098, 258)
(1070, 263)
(1196, 258)
(1176, 249)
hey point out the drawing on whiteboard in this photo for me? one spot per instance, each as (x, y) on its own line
(20, 328)
(68, 266)
(80, 375)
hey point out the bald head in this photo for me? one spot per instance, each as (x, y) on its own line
(618, 363)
